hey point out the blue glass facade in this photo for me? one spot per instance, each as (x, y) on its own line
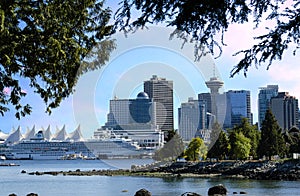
(238, 107)
(140, 110)
(264, 100)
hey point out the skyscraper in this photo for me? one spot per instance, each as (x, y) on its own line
(191, 118)
(285, 109)
(133, 113)
(207, 98)
(264, 97)
(133, 119)
(118, 112)
(238, 107)
(161, 91)
(142, 109)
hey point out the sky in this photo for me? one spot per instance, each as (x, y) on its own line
(150, 52)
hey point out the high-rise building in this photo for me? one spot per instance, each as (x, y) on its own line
(161, 91)
(238, 107)
(133, 119)
(191, 118)
(119, 113)
(142, 109)
(264, 98)
(131, 113)
(207, 98)
(285, 109)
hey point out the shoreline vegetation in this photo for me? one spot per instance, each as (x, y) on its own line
(258, 170)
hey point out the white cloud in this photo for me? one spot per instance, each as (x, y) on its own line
(286, 74)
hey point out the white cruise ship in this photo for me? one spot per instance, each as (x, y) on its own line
(38, 147)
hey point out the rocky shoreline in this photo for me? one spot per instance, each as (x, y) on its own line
(259, 170)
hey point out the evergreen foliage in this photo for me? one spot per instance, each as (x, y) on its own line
(272, 142)
(221, 147)
(293, 139)
(173, 149)
(214, 135)
(49, 44)
(207, 21)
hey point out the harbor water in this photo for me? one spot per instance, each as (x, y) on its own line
(13, 181)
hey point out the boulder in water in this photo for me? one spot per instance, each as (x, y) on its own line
(217, 190)
(190, 194)
(143, 192)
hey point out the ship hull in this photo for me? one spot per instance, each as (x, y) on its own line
(53, 150)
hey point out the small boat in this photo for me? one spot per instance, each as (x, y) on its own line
(2, 158)
(9, 164)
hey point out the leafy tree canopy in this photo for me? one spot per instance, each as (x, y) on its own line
(240, 145)
(196, 149)
(294, 140)
(251, 132)
(206, 21)
(49, 43)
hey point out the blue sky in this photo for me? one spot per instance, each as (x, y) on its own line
(150, 52)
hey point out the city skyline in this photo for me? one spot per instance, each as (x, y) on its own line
(89, 109)
(175, 109)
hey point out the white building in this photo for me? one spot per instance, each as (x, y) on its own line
(119, 113)
(191, 118)
(61, 135)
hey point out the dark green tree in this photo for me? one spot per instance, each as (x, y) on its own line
(216, 129)
(206, 22)
(287, 139)
(170, 134)
(49, 43)
(221, 147)
(240, 145)
(293, 140)
(196, 150)
(272, 141)
(173, 149)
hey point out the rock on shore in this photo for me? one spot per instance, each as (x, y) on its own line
(261, 170)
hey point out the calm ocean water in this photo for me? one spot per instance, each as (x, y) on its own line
(12, 181)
